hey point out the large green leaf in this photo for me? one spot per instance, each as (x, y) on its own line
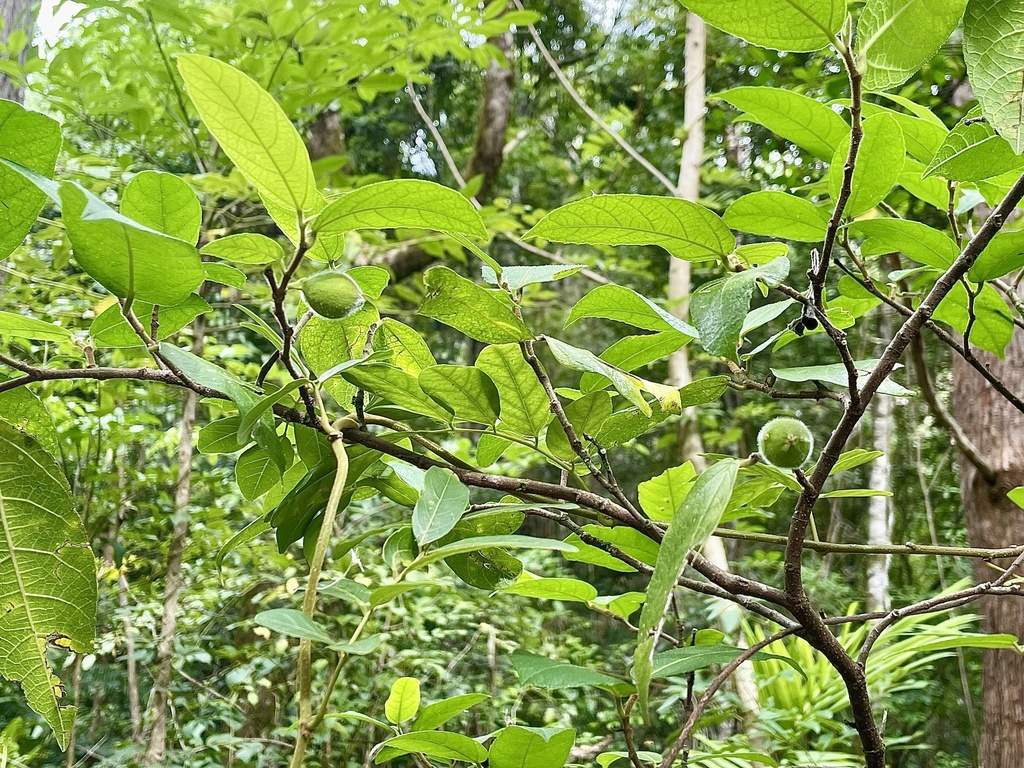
(542, 672)
(442, 501)
(442, 745)
(778, 214)
(31, 140)
(613, 302)
(973, 151)
(406, 346)
(395, 386)
(22, 409)
(292, 623)
(993, 30)
(125, 257)
(911, 238)
(720, 307)
(784, 25)
(566, 590)
(518, 747)
(517, 278)
(47, 576)
(404, 700)
(411, 203)
(1003, 254)
(896, 37)
(525, 407)
(879, 163)
(164, 202)
(253, 131)
(797, 118)
(467, 391)
(922, 130)
(684, 229)
(693, 522)
(632, 352)
(13, 325)
(661, 496)
(437, 714)
(480, 313)
(245, 248)
(835, 373)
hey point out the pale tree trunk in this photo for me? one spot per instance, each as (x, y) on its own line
(690, 444)
(995, 428)
(16, 14)
(158, 701)
(880, 479)
(131, 665)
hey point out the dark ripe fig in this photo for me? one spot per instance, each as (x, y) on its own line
(333, 295)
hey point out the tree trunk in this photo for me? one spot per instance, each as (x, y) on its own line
(173, 582)
(492, 124)
(880, 479)
(16, 14)
(690, 444)
(995, 427)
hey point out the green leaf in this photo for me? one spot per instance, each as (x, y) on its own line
(163, 202)
(404, 700)
(566, 590)
(778, 214)
(346, 589)
(325, 344)
(693, 522)
(524, 404)
(209, 375)
(720, 307)
(371, 280)
(627, 385)
(253, 131)
(482, 314)
(411, 203)
(879, 163)
(245, 248)
(265, 405)
(911, 238)
(661, 496)
(467, 392)
(440, 505)
(923, 132)
(125, 257)
(541, 672)
(17, 326)
(439, 744)
(686, 230)
(224, 274)
(797, 118)
(789, 25)
(363, 647)
(992, 50)
(489, 542)
(23, 409)
(973, 151)
(836, 374)
(1003, 254)
(854, 458)
(993, 328)
(396, 386)
(490, 448)
(632, 352)
(518, 747)
(624, 605)
(387, 593)
(31, 140)
(110, 329)
(895, 38)
(256, 472)
(614, 302)
(629, 540)
(293, 623)
(47, 576)
(517, 278)
(408, 349)
(587, 414)
(681, 661)
(220, 436)
(437, 714)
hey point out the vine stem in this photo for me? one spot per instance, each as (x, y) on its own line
(305, 678)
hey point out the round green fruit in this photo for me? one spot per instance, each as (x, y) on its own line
(333, 295)
(785, 443)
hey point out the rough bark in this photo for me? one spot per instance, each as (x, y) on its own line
(993, 520)
(492, 123)
(879, 507)
(173, 581)
(16, 14)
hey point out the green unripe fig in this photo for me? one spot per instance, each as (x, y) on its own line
(785, 443)
(333, 295)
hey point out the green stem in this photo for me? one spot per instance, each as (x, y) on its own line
(305, 677)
